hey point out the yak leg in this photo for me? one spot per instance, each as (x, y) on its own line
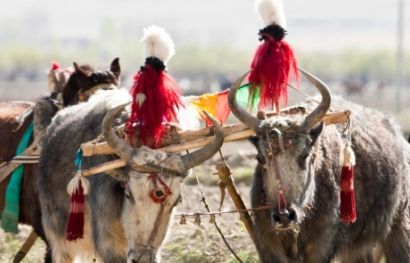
(397, 245)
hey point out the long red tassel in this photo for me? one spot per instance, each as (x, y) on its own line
(347, 195)
(161, 98)
(273, 64)
(75, 224)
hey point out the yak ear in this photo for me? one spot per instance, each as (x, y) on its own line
(79, 70)
(315, 132)
(116, 68)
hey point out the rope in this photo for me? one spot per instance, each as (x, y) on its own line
(203, 200)
(259, 208)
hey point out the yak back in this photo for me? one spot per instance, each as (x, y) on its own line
(70, 128)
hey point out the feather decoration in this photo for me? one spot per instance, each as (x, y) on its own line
(274, 62)
(156, 96)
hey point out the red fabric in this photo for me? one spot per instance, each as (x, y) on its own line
(222, 106)
(55, 65)
(75, 224)
(164, 189)
(160, 105)
(347, 197)
(273, 64)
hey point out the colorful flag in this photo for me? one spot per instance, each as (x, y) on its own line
(216, 104)
(243, 99)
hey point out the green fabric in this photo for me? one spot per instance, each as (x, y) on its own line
(10, 215)
(242, 97)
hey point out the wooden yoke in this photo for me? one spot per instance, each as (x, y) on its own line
(199, 138)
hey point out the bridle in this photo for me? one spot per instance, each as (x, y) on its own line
(158, 195)
(272, 150)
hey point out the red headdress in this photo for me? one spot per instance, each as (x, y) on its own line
(274, 62)
(155, 94)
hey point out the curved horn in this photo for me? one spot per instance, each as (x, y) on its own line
(244, 116)
(317, 114)
(121, 148)
(201, 155)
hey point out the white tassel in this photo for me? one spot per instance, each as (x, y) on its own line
(349, 157)
(271, 12)
(73, 184)
(158, 43)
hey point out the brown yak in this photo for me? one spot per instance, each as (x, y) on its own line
(71, 89)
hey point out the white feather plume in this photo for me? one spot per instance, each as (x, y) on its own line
(271, 12)
(158, 43)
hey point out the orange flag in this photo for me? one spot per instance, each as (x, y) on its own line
(216, 104)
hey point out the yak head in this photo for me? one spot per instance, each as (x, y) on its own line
(286, 155)
(85, 81)
(152, 180)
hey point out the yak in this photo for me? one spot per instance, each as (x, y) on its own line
(123, 223)
(298, 175)
(65, 89)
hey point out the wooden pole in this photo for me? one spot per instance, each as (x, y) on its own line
(199, 138)
(25, 248)
(224, 174)
(7, 168)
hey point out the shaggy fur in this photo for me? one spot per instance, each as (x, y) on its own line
(119, 213)
(310, 170)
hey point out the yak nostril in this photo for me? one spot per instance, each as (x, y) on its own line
(276, 217)
(292, 215)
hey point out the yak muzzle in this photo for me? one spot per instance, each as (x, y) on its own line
(284, 218)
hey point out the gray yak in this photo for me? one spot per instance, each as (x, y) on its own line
(298, 175)
(122, 221)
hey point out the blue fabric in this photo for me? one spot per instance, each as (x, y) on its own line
(10, 215)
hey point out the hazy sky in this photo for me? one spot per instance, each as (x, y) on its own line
(312, 25)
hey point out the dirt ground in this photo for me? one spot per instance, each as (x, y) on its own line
(184, 243)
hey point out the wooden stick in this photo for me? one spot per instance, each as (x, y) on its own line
(224, 174)
(104, 167)
(195, 139)
(25, 248)
(8, 168)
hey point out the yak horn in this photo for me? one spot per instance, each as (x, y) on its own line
(245, 117)
(317, 114)
(121, 148)
(203, 154)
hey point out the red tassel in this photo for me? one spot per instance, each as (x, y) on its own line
(75, 224)
(274, 63)
(347, 197)
(161, 99)
(55, 65)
